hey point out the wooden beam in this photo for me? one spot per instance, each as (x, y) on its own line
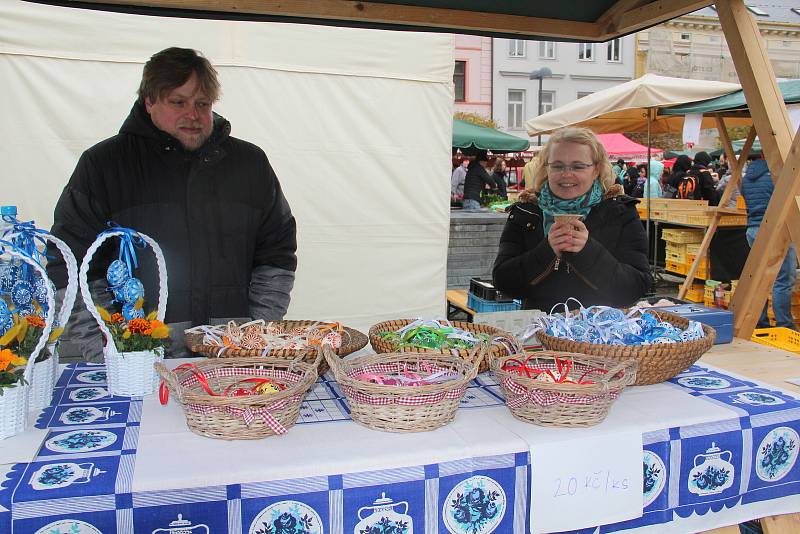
(781, 524)
(771, 121)
(447, 20)
(651, 14)
(733, 529)
(609, 21)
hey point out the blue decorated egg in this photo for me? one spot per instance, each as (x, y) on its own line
(8, 276)
(132, 290)
(117, 273)
(129, 311)
(22, 294)
(6, 319)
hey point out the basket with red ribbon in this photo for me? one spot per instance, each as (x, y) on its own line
(239, 398)
(561, 389)
(405, 391)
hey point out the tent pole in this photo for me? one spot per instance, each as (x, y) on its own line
(646, 189)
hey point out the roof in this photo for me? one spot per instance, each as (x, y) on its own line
(619, 146)
(773, 11)
(469, 135)
(595, 20)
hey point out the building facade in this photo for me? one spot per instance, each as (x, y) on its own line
(693, 46)
(472, 75)
(578, 69)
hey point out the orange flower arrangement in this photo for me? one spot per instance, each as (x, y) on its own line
(17, 344)
(138, 334)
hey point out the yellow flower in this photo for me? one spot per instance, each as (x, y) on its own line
(23, 329)
(11, 334)
(126, 335)
(55, 334)
(152, 315)
(159, 329)
(104, 315)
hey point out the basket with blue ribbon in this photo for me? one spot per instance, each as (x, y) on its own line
(24, 334)
(33, 242)
(133, 340)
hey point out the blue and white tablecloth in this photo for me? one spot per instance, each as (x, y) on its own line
(718, 449)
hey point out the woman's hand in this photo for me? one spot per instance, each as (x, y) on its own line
(567, 236)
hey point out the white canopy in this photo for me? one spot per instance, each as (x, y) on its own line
(356, 123)
(622, 108)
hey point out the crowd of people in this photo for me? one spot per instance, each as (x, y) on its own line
(471, 180)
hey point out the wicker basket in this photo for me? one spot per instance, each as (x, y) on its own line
(501, 341)
(352, 340)
(45, 372)
(14, 402)
(130, 374)
(560, 404)
(404, 408)
(252, 417)
(657, 363)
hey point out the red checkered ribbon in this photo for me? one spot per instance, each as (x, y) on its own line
(417, 400)
(193, 380)
(547, 398)
(248, 414)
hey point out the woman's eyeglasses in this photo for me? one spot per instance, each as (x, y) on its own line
(560, 168)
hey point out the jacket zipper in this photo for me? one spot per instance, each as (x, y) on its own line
(552, 267)
(587, 282)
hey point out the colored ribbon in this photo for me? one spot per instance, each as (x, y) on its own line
(130, 240)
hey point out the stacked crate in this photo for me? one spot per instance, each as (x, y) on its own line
(679, 243)
(694, 212)
(795, 304)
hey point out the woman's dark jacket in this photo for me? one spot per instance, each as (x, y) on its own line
(500, 184)
(612, 269)
(218, 213)
(476, 181)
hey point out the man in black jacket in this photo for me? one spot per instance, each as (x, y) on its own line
(477, 180)
(211, 201)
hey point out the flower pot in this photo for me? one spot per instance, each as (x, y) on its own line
(131, 374)
(13, 410)
(43, 381)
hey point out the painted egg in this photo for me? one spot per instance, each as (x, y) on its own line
(334, 339)
(22, 294)
(8, 276)
(132, 290)
(117, 273)
(129, 311)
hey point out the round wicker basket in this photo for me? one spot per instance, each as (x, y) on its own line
(352, 340)
(560, 404)
(657, 363)
(404, 408)
(495, 334)
(229, 418)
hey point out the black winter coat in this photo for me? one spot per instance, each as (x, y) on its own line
(217, 213)
(476, 181)
(612, 269)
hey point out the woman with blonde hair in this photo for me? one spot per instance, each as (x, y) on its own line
(574, 233)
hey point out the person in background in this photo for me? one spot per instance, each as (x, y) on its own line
(704, 186)
(618, 168)
(499, 177)
(211, 201)
(722, 184)
(757, 189)
(527, 171)
(600, 258)
(680, 171)
(457, 181)
(630, 181)
(477, 180)
(656, 170)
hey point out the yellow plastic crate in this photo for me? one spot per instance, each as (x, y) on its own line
(695, 294)
(692, 248)
(679, 235)
(782, 338)
(740, 202)
(674, 267)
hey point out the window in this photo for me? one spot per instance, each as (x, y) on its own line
(796, 10)
(547, 50)
(685, 37)
(757, 11)
(516, 100)
(585, 51)
(459, 80)
(516, 48)
(614, 50)
(548, 101)
(581, 94)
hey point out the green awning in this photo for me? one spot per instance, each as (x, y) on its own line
(732, 102)
(467, 135)
(738, 145)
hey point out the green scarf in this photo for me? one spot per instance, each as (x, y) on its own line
(553, 205)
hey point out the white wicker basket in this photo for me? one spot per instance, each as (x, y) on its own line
(45, 373)
(129, 374)
(14, 400)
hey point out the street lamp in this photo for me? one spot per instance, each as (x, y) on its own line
(540, 74)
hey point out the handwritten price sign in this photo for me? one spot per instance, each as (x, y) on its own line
(599, 476)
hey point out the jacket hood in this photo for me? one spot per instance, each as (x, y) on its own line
(656, 169)
(139, 123)
(756, 169)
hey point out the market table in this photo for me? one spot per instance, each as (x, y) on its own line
(118, 465)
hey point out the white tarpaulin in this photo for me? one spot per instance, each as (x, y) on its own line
(356, 123)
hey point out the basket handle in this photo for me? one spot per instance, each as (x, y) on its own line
(84, 283)
(168, 380)
(334, 362)
(475, 357)
(49, 316)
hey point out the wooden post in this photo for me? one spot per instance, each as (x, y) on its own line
(771, 121)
